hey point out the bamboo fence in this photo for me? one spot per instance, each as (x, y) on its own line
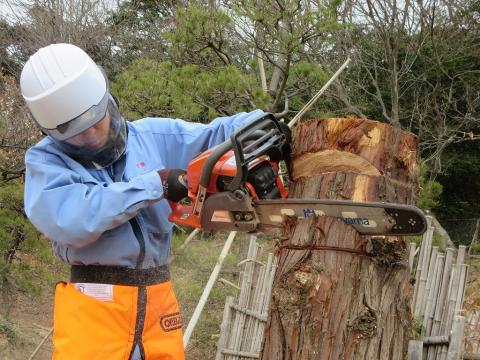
(244, 317)
(473, 333)
(439, 290)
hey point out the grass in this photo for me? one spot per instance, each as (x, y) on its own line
(8, 329)
(436, 241)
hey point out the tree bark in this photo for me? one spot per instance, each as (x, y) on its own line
(351, 301)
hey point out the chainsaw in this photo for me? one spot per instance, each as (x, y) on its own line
(237, 186)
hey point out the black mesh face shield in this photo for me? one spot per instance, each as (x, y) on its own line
(115, 143)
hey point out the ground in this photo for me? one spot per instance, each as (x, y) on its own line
(32, 320)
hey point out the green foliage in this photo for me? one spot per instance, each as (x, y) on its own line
(18, 238)
(460, 201)
(475, 248)
(149, 88)
(417, 326)
(201, 36)
(8, 329)
(305, 79)
(430, 191)
(15, 230)
(288, 26)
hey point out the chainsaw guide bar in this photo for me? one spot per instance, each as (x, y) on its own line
(366, 218)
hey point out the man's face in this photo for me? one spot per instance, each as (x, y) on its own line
(95, 137)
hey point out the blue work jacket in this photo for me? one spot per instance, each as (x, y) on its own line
(92, 218)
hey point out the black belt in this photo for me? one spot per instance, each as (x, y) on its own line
(117, 275)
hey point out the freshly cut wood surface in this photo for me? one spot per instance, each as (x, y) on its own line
(392, 151)
(351, 300)
(310, 164)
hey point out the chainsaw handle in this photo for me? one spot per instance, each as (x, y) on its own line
(255, 130)
(212, 160)
(217, 153)
(272, 136)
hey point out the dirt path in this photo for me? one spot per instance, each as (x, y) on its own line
(33, 318)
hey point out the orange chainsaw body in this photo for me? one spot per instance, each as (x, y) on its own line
(224, 170)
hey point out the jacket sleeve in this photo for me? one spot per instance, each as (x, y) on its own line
(183, 140)
(73, 211)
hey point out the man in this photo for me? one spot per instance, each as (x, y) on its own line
(94, 187)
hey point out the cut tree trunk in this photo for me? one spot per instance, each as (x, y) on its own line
(352, 299)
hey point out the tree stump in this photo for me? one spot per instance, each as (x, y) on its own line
(352, 299)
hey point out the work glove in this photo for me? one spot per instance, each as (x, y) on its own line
(174, 184)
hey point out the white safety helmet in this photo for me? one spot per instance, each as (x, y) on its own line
(67, 93)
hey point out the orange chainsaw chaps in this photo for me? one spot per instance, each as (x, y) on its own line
(87, 328)
(162, 334)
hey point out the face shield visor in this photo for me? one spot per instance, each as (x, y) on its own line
(96, 138)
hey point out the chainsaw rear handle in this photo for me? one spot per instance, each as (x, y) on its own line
(255, 131)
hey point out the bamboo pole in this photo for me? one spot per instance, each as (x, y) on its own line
(208, 288)
(462, 249)
(452, 297)
(258, 329)
(455, 348)
(243, 297)
(432, 297)
(259, 303)
(423, 269)
(428, 284)
(225, 327)
(436, 340)
(449, 312)
(418, 270)
(258, 274)
(265, 304)
(473, 322)
(411, 256)
(415, 350)
(40, 344)
(461, 288)
(432, 353)
(234, 320)
(185, 243)
(188, 239)
(253, 324)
